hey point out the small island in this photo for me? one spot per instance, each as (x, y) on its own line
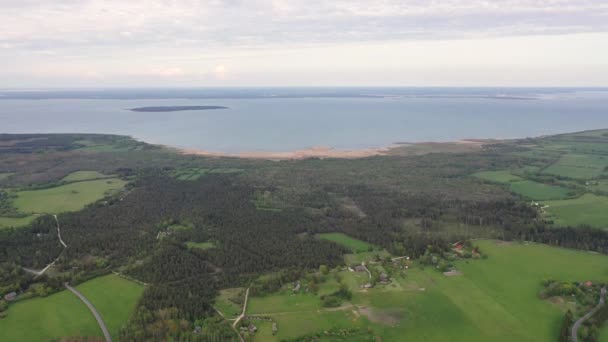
(175, 108)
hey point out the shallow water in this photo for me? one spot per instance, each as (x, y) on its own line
(284, 124)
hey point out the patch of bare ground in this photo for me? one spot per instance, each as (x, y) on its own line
(453, 273)
(504, 243)
(556, 300)
(386, 317)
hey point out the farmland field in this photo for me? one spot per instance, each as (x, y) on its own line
(579, 166)
(342, 239)
(503, 176)
(588, 209)
(539, 191)
(495, 299)
(114, 297)
(42, 319)
(6, 222)
(84, 175)
(69, 197)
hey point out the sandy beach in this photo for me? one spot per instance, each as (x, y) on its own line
(461, 146)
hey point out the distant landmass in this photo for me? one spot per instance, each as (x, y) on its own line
(174, 108)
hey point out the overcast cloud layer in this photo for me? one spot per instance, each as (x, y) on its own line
(312, 42)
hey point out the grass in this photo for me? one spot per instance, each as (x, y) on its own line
(43, 319)
(588, 209)
(84, 175)
(227, 302)
(114, 297)
(539, 191)
(494, 299)
(200, 245)
(353, 244)
(578, 166)
(5, 175)
(8, 222)
(503, 176)
(69, 197)
(283, 301)
(357, 258)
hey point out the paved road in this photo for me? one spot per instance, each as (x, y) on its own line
(84, 299)
(580, 321)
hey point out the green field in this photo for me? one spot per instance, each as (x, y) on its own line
(42, 319)
(63, 314)
(84, 175)
(495, 299)
(69, 197)
(5, 175)
(228, 302)
(579, 166)
(200, 245)
(114, 298)
(351, 243)
(588, 209)
(539, 191)
(6, 222)
(503, 176)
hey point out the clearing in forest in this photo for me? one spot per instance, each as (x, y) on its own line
(69, 197)
(539, 191)
(351, 243)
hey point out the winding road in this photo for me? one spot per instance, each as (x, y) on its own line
(100, 321)
(581, 320)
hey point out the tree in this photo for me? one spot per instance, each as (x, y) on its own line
(564, 335)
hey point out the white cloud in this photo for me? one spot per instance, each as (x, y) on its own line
(167, 39)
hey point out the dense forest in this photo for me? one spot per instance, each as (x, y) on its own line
(261, 219)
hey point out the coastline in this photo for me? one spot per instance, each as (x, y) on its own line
(397, 149)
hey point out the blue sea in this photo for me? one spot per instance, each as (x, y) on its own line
(286, 119)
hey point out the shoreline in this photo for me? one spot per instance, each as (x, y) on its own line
(396, 149)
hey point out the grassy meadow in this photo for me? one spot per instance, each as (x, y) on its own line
(114, 297)
(62, 314)
(494, 299)
(351, 243)
(6, 222)
(229, 302)
(200, 245)
(539, 191)
(69, 197)
(588, 209)
(4, 175)
(84, 175)
(44, 319)
(578, 166)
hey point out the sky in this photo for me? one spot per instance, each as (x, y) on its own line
(171, 43)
